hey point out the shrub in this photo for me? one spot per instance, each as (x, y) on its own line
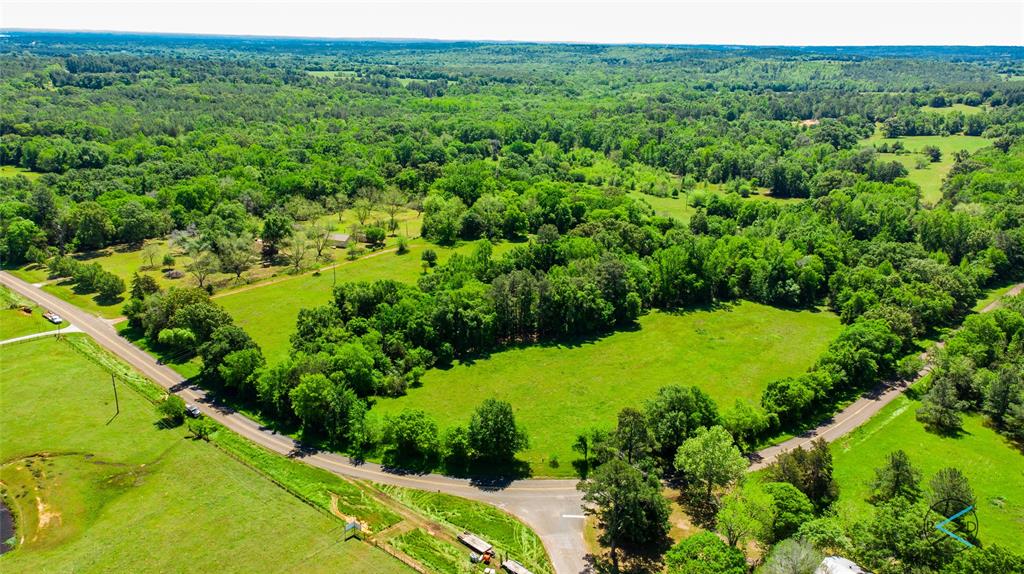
(173, 410)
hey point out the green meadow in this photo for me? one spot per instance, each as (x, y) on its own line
(559, 390)
(931, 176)
(994, 467)
(97, 490)
(12, 171)
(268, 312)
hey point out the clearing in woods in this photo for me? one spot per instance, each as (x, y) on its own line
(930, 176)
(559, 390)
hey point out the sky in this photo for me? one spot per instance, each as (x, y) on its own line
(760, 22)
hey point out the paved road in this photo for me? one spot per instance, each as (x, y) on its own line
(857, 413)
(553, 508)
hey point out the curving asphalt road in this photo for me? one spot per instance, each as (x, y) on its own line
(552, 508)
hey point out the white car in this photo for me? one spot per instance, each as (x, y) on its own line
(53, 318)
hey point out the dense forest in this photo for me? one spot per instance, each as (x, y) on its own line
(226, 143)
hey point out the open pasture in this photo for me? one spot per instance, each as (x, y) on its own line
(931, 175)
(559, 390)
(98, 490)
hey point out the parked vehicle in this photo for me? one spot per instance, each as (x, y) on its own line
(192, 411)
(53, 318)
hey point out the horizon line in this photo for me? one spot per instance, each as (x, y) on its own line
(400, 39)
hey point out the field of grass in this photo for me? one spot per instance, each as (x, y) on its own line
(436, 555)
(962, 108)
(560, 390)
(97, 491)
(12, 171)
(930, 177)
(14, 322)
(268, 312)
(508, 535)
(994, 467)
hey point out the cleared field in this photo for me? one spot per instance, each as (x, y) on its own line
(12, 171)
(993, 466)
(118, 494)
(930, 177)
(962, 108)
(268, 312)
(561, 390)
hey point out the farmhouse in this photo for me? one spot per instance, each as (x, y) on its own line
(339, 239)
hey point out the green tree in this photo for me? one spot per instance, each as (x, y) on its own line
(240, 369)
(941, 406)
(792, 556)
(745, 421)
(675, 413)
(203, 265)
(493, 432)
(704, 553)
(746, 513)
(235, 253)
(790, 509)
(950, 491)
(375, 236)
(276, 228)
(630, 509)
(413, 434)
(709, 460)
(93, 225)
(896, 479)
(632, 437)
(172, 409)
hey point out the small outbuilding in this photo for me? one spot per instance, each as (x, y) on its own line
(475, 543)
(513, 567)
(838, 565)
(339, 239)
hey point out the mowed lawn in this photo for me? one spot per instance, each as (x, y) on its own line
(102, 493)
(929, 178)
(268, 312)
(993, 466)
(560, 390)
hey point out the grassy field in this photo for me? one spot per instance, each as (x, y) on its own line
(268, 312)
(930, 177)
(95, 492)
(560, 390)
(962, 108)
(14, 322)
(993, 466)
(11, 171)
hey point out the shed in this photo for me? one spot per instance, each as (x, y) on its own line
(339, 239)
(838, 565)
(475, 543)
(513, 567)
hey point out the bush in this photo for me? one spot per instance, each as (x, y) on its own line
(179, 338)
(403, 245)
(168, 260)
(173, 410)
(375, 236)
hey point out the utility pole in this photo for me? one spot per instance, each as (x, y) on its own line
(117, 403)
